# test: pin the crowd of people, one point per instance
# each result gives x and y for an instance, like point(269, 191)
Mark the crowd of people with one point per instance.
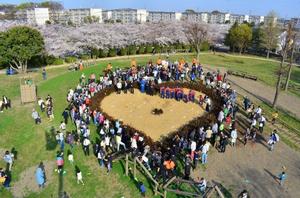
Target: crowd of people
point(112, 134)
point(113, 137)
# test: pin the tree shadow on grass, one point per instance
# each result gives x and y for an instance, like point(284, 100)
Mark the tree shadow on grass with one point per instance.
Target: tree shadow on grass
point(51, 142)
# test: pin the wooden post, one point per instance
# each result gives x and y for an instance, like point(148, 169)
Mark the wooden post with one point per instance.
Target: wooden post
point(219, 192)
point(126, 165)
point(134, 167)
point(155, 189)
point(165, 194)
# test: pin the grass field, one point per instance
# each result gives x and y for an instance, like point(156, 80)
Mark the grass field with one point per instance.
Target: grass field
point(33, 144)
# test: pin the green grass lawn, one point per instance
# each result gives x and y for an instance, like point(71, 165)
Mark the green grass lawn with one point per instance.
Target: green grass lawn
point(32, 143)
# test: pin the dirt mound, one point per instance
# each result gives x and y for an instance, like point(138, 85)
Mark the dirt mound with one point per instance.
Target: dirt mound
point(135, 110)
point(27, 182)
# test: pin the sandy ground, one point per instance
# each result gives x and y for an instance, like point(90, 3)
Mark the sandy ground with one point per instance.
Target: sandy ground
point(27, 182)
point(135, 110)
point(255, 168)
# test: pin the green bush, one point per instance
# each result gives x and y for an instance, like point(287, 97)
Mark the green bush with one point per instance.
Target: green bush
point(49, 60)
point(102, 53)
point(70, 59)
point(123, 52)
point(132, 50)
point(205, 46)
point(149, 49)
point(157, 49)
point(85, 57)
point(95, 52)
point(112, 52)
point(58, 61)
point(141, 50)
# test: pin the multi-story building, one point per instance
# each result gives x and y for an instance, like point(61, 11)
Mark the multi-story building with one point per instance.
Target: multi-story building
point(155, 16)
point(76, 16)
point(196, 17)
point(126, 15)
point(255, 19)
point(218, 17)
point(239, 18)
point(35, 16)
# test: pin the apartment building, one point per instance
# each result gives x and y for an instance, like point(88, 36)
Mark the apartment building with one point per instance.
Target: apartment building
point(126, 15)
point(36, 16)
point(201, 17)
point(156, 16)
point(217, 17)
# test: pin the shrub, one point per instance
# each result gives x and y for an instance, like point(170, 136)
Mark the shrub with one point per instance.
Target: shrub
point(149, 49)
point(205, 46)
point(58, 61)
point(70, 59)
point(102, 53)
point(84, 57)
point(132, 50)
point(141, 50)
point(123, 52)
point(112, 52)
point(49, 60)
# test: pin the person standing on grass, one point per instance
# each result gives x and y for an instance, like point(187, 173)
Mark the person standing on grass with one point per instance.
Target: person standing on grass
point(247, 136)
point(44, 74)
point(65, 115)
point(274, 117)
point(60, 161)
point(108, 160)
point(70, 157)
point(35, 115)
point(86, 146)
point(142, 189)
point(40, 176)
point(79, 176)
point(9, 159)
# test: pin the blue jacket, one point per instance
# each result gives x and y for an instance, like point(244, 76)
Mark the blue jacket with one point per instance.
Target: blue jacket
point(39, 176)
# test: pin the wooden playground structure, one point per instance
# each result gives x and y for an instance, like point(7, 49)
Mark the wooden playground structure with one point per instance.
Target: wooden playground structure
point(162, 189)
point(28, 90)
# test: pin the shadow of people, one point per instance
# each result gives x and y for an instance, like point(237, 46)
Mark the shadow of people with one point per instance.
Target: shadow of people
point(271, 174)
point(51, 142)
point(14, 152)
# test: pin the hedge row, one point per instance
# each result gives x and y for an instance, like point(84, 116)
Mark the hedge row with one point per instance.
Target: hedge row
point(100, 53)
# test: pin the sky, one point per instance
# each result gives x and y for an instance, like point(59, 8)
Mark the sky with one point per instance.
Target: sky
point(284, 8)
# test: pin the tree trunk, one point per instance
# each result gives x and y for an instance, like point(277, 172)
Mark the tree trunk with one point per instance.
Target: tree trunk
point(278, 82)
point(268, 54)
point(198, 53)
point(240, 52)
point(290, 71)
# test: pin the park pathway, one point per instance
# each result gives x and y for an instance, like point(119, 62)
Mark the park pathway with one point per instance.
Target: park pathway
point(286, 101)
point(263, 92)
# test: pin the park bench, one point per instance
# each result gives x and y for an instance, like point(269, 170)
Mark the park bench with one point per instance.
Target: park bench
point(241, 74)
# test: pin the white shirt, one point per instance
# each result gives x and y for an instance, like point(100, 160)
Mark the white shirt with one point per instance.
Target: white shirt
point(205, 148)
point(71, 157)
point(86, 142)
point(233, 134)
point(79, 176)
point(193, 145)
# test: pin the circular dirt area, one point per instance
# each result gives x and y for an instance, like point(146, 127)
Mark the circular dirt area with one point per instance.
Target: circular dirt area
point(135, 110)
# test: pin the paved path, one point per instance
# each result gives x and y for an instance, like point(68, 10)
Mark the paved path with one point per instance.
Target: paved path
point(286, 101)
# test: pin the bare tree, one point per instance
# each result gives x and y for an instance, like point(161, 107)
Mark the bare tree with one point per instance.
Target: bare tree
point(196, 34)
point(286, 42)
point(270, 32)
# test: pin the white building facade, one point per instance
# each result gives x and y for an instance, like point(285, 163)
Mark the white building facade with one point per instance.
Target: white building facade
point(36, 16)
point(127, 15)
